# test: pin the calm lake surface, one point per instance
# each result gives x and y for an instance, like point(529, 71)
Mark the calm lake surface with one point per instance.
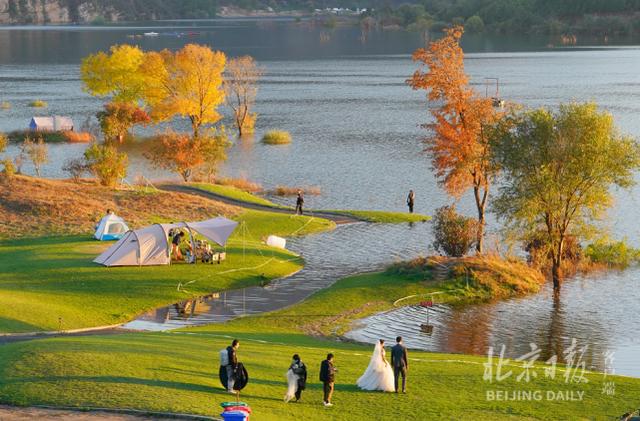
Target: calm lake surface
point(355, 127)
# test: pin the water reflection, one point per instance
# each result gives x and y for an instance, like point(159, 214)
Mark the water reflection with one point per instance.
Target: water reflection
point(596, 311)
point(328, 257)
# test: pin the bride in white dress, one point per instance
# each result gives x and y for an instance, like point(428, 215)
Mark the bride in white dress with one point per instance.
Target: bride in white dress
point(379, 374)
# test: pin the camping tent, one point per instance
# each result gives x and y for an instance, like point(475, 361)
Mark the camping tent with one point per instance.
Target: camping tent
point(150, 246)
point(110, 227)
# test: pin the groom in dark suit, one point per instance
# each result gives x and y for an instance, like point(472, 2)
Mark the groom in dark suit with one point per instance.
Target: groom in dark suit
point(400, 364)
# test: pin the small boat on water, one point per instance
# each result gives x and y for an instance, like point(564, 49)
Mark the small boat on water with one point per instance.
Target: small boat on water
point(151, 34)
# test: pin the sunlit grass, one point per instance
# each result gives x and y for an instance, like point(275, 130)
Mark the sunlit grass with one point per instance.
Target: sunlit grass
point(50, 283)
point(177, 371)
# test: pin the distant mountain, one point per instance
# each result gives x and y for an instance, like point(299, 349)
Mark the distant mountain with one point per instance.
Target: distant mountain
point(99, 11)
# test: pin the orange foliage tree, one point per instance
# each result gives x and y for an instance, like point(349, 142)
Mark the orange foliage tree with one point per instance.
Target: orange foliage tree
point(458, 142)
point(185, 155)
point(118, 118)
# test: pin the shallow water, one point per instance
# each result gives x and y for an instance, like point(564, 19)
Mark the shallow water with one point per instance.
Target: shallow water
point(584, 311)
point(349, 249)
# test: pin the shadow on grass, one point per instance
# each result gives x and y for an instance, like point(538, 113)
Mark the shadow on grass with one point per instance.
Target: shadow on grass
point(8, 325)
point(168, 384)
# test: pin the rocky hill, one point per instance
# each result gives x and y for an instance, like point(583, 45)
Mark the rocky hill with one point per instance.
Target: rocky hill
point(98, 11)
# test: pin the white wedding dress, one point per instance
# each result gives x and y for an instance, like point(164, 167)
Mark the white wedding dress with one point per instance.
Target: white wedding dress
point(379, 374)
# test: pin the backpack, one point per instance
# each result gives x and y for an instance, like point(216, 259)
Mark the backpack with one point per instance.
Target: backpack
point(224, 357)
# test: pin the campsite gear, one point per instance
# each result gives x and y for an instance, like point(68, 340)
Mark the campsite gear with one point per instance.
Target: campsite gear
point(150, 245)
point(224, 357)
point(275, 241)
point(235, 416)
point(110, 227)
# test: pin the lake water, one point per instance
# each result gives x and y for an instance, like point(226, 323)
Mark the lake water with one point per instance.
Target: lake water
point(355, 127)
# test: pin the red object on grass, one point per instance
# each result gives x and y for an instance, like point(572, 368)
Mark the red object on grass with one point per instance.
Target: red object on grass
point(427, 303)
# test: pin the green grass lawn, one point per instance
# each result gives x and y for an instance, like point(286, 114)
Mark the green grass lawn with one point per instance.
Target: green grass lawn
point(178, 371)
point(234, 193)
point(51, 283)
point(385, 217)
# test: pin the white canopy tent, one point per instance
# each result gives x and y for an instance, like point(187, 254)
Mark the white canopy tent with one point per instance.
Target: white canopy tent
point(110, 227)
point(150, 245)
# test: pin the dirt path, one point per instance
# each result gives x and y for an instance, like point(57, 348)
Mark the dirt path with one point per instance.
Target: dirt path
point(338, 218)
point(11, 413)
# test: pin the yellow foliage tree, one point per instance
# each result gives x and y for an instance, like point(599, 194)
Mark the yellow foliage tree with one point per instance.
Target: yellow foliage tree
point(187, 83)
point(116, 73)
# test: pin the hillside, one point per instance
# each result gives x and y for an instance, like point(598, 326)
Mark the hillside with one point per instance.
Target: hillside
point(594, 17)
point(31, 206)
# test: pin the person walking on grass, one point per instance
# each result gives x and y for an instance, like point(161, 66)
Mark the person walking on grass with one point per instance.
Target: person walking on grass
point(411, 198)
point(328, 378)
point(296, 379)
point(299, 203)
point(232, 365)
point(400, 364)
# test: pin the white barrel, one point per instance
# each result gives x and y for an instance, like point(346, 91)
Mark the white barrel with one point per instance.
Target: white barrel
point(275, 241)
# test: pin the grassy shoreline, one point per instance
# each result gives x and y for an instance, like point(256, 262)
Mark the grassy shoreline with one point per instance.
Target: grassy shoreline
point(176, 371)
point(385, 217)
point(50, 283)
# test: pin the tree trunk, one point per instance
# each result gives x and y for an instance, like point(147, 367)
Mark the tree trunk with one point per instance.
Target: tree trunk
point(556, 275)
point(556, 272)
point(480, 239)
point(239, 124)
point(480, 205)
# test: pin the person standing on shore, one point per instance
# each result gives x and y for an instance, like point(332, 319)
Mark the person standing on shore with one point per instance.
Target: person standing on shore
point(299, 203)
point(328, 378)
point(411, 198)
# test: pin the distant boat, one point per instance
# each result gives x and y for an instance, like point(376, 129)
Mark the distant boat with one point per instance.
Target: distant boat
point(151, 34)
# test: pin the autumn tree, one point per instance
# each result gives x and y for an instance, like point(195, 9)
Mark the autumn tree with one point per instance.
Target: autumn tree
point(116, 74)
point(454, 234)
point(37, 151)
point(106, 163)
point(558, 170)
point(117, 119)
point(184, 154)
point(185, 83)
point(458, 142)
point(241, 87)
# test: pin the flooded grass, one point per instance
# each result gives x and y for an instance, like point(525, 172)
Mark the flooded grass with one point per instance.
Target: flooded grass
point(276, 137)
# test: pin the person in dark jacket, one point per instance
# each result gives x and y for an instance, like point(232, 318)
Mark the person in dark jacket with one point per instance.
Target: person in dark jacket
point(400, 364)
point(328, 378)
point(411, 199)
point(233, 364)
point(299, 203)
point(296, 378)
